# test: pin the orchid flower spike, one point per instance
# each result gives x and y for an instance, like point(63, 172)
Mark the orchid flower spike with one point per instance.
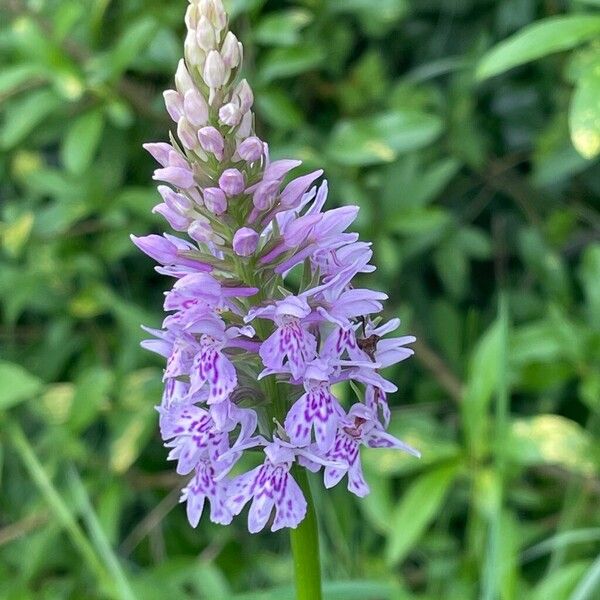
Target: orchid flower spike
point(236, 325)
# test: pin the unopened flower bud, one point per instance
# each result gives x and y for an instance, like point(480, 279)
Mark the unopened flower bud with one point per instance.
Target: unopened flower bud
point(245, 127)
point(183, 81)
point(157, 247)
point(195, 108)
point(201, 231)
point(245, 241)
point(205, 34)
point(212, 141)
point(215, 200)
point(176, 202)
point(191, 16)
point(159, 151)
point(230, 114)
point(230, 51)
point(177, 176)
point(251, 149)
point(174, 104)
point(176, 160)
point(187, 134)
point(195, 196)
point(175, 220)
point(265, 194)
point(243, 92)
point(193, 53)
point(214, 70)
point(232, 182)
point(215, 11)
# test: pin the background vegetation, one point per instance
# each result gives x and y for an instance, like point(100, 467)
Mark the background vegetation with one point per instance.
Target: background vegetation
point(474, 167)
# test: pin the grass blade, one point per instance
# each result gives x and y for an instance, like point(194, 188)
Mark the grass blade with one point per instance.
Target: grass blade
point(98, 536)
point(56, 503)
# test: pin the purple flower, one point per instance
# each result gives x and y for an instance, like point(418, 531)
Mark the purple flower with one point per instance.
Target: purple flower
point(168, 250)
point(316, 409)
point(193, 434)
point(211, 366)
point(204, 486)
point(376, 400)
point(291, 340)
point(358, 427)
point(269, 486)
point(293, 192)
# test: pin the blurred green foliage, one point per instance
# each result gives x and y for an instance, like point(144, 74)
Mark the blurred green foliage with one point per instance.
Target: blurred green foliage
point(467, 131)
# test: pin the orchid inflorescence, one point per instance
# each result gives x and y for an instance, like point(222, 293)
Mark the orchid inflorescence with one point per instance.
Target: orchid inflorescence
point(252, 354)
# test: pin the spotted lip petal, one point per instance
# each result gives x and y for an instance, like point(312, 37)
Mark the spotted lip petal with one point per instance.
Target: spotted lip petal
point(318, 410)
point(202, 487)
point(270, 487)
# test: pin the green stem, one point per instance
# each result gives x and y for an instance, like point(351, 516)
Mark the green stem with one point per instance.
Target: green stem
point(305, 546)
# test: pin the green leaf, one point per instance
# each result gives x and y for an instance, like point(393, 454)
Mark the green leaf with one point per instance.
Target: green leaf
point(483, 379)
point(452, 267)
point(418, 507)
point(25, 114)
point(334, 590)
point(15, 235)
point(419, 222)
point(91, 395)
point(589, 586)
point(289, 62)
point(584, 114)
point(63, 510)
point(16, 385)
point(382, 138)
point(589, 275)
point(98, 536)
point(386, 9)
point(81, 141)
point(412, 185)
point(559, 584)
point(282, 28)
point(540, 39)
point(377, 505)
point(276, 108)
point(133, 425)
point(133, 41)
point(560, 541)
point(11, 78)
point(551, 440)
point(239, 7)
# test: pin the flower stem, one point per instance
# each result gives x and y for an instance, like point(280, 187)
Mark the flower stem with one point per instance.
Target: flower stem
point(305, 546)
